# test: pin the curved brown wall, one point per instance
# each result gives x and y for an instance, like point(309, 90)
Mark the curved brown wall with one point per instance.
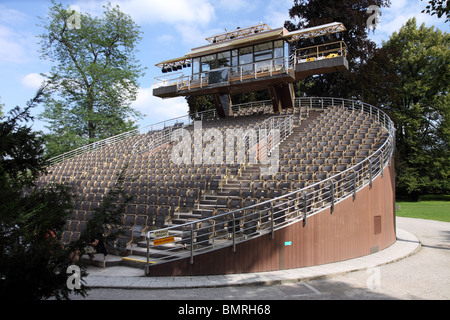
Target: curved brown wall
point(355, 228)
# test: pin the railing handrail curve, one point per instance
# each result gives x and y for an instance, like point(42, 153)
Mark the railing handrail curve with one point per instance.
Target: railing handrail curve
point(362, 176)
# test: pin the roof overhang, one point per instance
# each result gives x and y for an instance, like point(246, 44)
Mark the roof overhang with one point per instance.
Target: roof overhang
point(317, 31)
point(240, 42)
point(254, 38)
point(225, 45)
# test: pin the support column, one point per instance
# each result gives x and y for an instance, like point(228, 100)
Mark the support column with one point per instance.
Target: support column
point(223, 105)
point(276, 103)
point(282, 96)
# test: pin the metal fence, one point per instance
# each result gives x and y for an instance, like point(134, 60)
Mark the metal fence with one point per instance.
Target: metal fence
point(230, 228)
point(150, 135)
point(223, 76)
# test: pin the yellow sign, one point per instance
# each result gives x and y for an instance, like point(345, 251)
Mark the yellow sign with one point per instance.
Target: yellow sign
point(158, 242)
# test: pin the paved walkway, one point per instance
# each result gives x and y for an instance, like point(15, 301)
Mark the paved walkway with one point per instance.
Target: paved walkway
point(132, 278)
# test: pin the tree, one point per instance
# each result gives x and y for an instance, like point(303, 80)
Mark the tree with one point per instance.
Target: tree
point(416, 67)
point(353, 14)
point(95, 77)
point(438, 7)
point(201, 103)
point(106, 221)
point(33, 263)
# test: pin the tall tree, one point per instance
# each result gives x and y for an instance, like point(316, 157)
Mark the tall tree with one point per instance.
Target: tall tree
point(355, 16)
point(439, 8)
point(95, 76)
point(32, 262)
point(412, 86)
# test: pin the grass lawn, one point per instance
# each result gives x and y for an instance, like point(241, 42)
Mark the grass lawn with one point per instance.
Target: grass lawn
point(427, 209)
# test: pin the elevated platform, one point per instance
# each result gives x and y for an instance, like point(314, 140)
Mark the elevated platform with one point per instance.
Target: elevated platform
point(337, 64)
point(253, 59)
point(248, 81)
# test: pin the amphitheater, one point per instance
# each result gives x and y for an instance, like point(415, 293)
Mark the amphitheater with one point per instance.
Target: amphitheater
point(205, 208)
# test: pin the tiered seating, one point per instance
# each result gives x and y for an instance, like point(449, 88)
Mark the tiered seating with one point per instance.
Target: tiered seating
point(160, 188)
point(335, 140)
point(332, 143)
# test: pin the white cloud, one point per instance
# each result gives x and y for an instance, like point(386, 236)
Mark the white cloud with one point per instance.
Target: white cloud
point(17, 45)
point(165, 38)
point(236, 5)
point(156, 109)
point(12, 16)
point(157, 11)
point(396, 16)
point(277, 12)
point(32, 81)
point(184, 17)
point(12, 48)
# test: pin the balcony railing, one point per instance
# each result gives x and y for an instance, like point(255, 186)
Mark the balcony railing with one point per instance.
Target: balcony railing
point(320, 52)
point(226, 75)
point(235, 226)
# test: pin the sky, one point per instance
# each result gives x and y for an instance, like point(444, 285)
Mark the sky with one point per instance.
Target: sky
point(170, 29)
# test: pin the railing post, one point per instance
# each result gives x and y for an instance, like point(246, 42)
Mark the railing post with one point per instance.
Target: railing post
point(354, 184)
point(332, 196)
point(271, 221)
point(192, 243)
point(234, 233)
point(147, 266)
point(370, 173)
point(305, 208)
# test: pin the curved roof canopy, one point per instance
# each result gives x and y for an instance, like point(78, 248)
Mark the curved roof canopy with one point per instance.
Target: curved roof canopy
point(251, 35)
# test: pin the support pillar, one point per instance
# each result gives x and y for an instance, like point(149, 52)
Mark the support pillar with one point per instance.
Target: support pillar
point(282, 96)
point(223, 105)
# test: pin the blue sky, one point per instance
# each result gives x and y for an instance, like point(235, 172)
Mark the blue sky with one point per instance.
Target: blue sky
point(170, 29)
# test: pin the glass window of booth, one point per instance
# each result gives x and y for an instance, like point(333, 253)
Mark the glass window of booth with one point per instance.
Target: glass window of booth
point(242, 58)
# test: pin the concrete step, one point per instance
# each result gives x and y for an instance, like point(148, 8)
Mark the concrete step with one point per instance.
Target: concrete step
point(102, 261)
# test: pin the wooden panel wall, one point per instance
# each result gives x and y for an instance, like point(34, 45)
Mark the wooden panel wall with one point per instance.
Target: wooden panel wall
point(355, 228)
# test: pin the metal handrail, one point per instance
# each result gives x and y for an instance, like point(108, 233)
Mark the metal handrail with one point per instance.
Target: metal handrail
point(264, 137)
point(151, 129)
point(234, 73)
point(321, 51)
point(239, 225)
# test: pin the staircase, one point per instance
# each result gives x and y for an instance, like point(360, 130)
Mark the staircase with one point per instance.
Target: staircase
point(209, 202)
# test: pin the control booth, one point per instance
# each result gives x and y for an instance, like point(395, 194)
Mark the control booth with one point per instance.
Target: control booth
point(251, 59)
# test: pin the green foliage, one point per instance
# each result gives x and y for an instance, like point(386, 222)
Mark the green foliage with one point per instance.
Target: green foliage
point(353, 14)
point(439, 8)
point(420, 107)
point(94, 79)
point(32, 263)
point(431, 210)
point(206, 102)
point(106, 221)
point(200, 103)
